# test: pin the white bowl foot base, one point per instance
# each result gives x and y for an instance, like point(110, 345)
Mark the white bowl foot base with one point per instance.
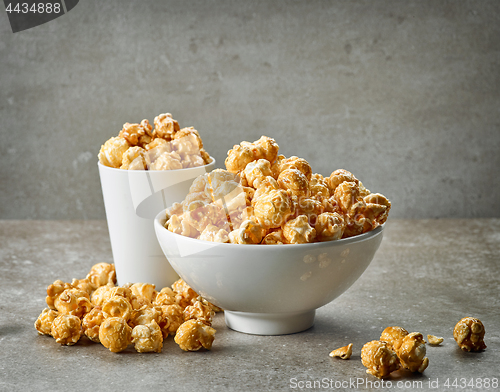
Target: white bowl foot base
point(270, 323)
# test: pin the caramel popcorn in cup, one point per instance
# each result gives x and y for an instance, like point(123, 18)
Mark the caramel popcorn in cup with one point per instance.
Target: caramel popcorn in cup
point(166, 147)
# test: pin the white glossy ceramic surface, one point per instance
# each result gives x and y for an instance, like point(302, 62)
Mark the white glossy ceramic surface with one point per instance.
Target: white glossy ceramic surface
point(269, 289)
point(132, 199)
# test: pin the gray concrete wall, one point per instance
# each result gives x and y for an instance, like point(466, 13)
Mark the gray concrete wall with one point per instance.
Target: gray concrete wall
point(405, 94)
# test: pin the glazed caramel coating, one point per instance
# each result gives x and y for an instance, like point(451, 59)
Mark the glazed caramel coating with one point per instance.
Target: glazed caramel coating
point(134, 159)
point(165, 297)
point(157, 147)
point(393, 336)
point(172, 316)
point(214, 234)
point(377, 207)
point(249, 232)
point(72, 301)
point(199, 311)
point(338, 177)
point(101, 274)
point(146, 290)
point(379, 359)
point(329, 226)
point(102, 294)
point(346, 194)
point(256, 171)
point(469, 334)
point(167, 161)
point(297, 163)
point(165, 126)
point(342, 352)
point(268, 148)
point(192, 160)
point(275, 237)
point(319, 187)
point(147, 338)
point(295, 182)
point(117, 307)
point(238, 158)
point(137, 134)
point(186, 295)
point(412, 351)
point(84, 285)
point(298, 231)
point(145, 315)
point(115, 334)
point(111, 153)
point(92, 322)
point(191, 134)
point(272, 208)
point(43, 323)
point(54, 290)
point(192, 335)
point(181, 226)
point(66, 329)
point(201, 217)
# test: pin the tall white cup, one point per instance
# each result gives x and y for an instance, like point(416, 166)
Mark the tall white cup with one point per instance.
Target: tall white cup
point(132, 199)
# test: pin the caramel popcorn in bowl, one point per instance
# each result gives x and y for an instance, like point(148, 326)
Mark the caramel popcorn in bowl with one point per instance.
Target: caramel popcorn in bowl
point(266, 198)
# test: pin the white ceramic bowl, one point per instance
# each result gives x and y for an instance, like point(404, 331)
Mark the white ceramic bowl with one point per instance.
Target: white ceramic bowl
point(268, 289)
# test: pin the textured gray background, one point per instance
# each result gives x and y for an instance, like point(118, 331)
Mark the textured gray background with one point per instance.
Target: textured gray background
point(406, 95)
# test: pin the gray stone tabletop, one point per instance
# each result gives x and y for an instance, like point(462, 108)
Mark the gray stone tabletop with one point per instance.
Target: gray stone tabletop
point(426, 276)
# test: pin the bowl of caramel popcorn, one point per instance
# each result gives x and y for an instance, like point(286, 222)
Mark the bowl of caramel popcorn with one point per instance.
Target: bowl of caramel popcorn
point(268, 240)
point(143, 170)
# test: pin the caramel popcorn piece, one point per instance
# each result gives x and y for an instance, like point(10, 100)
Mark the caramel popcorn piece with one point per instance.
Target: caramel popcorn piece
point(91, 323)
point(147, 338)
point(200, 310)
point(244, 153)
point(54, 290)
point(319, 187)
point(145, 315)
point(102, 294)
point(192, 335)
point(43, 323)
point(134, 159)
point(434, 340)
point(393, 336)
point(274, 238)
point(146, 290)
point(469, 334)
point(111, 153)
point(137, 134)
point(298, 231)
point(165, 297)
point(272, 208)
point(186, 295)
point(377, 208)
point(74, 302)
point(115, 334)
point(338, 177)
point(172, 316)
point(412, 352)
point(165, 126)
point(66, 329)
point(117, 307)
point(250, 232)
point(214, 234)
point(256, 171)
point(379, 359)
point(342, 352)
point(329, 226)
point(101, 274)
point(84, 285)
point(297, 163)
point(295, 182)
point(167, 161)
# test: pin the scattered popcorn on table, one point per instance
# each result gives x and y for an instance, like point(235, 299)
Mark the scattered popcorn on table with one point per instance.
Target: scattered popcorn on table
point(166, 147)
point(379, 359)
point(267, 198)
point(342, 352)
point(469, 334)
point(434, 340)
point(120, 316)
point(192, 335)
point(411, 352)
